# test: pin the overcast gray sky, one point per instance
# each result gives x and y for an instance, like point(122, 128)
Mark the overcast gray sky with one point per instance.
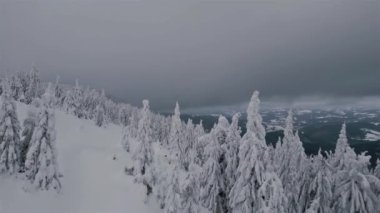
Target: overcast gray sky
point(202, 53)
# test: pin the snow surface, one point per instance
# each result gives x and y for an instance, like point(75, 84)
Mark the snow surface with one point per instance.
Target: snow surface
point(371, 135)
point(93, 181)
point(303, 112)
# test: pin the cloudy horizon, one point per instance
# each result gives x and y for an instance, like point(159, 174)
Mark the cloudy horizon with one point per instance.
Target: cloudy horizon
point(202, 53)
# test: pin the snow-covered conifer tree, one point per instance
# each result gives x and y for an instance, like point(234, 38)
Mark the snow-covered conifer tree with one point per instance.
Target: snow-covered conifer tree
point(354, 190)
point(99, 118)
point(16, 88)
point(250, 172)
point(289, 129)
point(377, 169)
point(271, 195)
point(28, 129)
point(254, 122)
point(78, 100)
point(250, 177)
point(189, 135)
point(49, 100)
point(163, 128)
point(172, 194)
point(345, 157)
point(320, 189)
point(143, 155)
point(123, 116)
point(175, 130)
point(211, 179)
point(197, 153)
point(355, 193)
point(41, 161)
point(9, 134)
point(33, 85)
point(24, 81)
point(290, 162)
point(232, 151)
point(218, 135)
point(190, 191)
point(68, 102)
point(58, 93)
point(220, 131)
point(177, 140)
point(129, 134)
point(199, 129)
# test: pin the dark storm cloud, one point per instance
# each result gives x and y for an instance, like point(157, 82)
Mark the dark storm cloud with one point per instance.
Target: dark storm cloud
point(201, 53)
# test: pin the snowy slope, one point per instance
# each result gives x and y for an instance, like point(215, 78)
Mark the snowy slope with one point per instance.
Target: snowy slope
point(93, 181)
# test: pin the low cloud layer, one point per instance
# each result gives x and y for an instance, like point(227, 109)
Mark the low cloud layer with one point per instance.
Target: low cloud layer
point(201, 53)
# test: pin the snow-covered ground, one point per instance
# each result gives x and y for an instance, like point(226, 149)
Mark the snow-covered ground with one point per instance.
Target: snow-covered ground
point(371, 135)
point(93, 181)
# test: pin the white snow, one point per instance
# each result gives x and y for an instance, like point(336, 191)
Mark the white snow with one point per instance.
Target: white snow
point(303, 112)
point(93, 181)
point(273, 128)
point(371, 135)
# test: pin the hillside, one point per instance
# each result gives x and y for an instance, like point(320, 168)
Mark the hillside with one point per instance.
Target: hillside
point(93, 181)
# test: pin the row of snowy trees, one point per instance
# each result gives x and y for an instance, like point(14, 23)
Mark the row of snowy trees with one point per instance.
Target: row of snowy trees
point(23, 87)
point(77, 100)
point(188, 170)
point(82, 102)
point(31, 152)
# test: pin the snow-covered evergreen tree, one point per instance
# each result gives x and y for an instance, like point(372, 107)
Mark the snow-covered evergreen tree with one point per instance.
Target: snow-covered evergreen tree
point(271, 195)
point(130, 132)
point(177, 189)
point(320, 190)
point(354, 193)
point(28, 129)
point(251, 170)
point(172, 194)
point(218, 135)
point(232, 151)
point(199, 129)
point(175, 130)
point(212, 180)
point(99, 118)
point(345, 157)
point(254, 122)
point(290, 163)
point(68, 102)
point(220, 130)
point(143, 155)
point(123, 116)
point(41, 162)
point(33, 85)
point(250, 177)
point(376, 171)
point(58, 93)
point(24, 81)
point(189, 191)
point(16, 88)
point(78, 100)
point(354, 190)
point(9, 134)
point(49, 101)
point(177, 142)
point(189, 136)
point(197, 155)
